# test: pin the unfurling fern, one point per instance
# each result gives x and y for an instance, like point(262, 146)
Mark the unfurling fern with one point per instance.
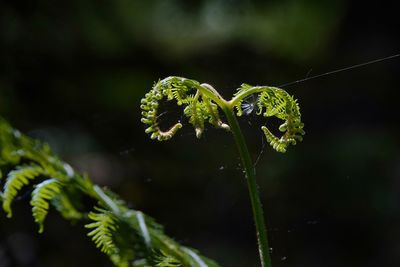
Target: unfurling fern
point(203, 103)
point(196, 97)
point(275, 102)
point(127, 236)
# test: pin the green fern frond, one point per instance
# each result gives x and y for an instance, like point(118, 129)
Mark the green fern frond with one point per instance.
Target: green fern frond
point(104, 227)
point(279, 144)
point(181, 95)
point(239, 109)
point(125, 235)
point(275, 102)
point(185, 92)
point(196, 117)
point(16, 179)
point(240, 90)
point(41, 196)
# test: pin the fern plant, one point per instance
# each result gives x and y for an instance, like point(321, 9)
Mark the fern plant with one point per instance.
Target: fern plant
point(127, 236)
point(202, 103)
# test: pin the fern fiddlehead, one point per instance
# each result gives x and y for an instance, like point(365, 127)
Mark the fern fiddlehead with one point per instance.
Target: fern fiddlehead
point(190, 93)
point(275, 102)
point(271, 101)
point(114, 228)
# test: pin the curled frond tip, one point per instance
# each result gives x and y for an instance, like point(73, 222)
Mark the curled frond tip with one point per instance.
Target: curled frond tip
point(199, 108)
point(275, 102)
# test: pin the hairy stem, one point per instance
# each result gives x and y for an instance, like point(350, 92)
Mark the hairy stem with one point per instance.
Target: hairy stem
point(250, 173)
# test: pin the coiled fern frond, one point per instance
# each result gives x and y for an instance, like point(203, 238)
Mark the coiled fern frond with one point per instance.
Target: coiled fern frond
point(127, 236)
point(203, 103)
point(275, 102)
point(192, 94)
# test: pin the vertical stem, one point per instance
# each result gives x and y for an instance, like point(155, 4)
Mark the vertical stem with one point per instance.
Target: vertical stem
point(250, 172)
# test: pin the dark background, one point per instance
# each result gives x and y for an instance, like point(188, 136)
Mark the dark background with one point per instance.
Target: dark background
point(73, 73)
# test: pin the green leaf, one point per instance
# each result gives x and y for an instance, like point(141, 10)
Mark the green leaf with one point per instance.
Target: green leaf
point(43, 193)
point(104, 226)
point(15, 181)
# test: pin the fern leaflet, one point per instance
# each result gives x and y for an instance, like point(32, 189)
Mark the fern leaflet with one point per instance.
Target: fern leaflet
point(104, 226)
point(162, 259)
point(43, 193)
point(15, 181)
point(126, 235)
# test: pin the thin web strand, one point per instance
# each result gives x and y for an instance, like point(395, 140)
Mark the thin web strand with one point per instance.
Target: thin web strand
point(321, 75)
point(261, 152)
point(339, 70)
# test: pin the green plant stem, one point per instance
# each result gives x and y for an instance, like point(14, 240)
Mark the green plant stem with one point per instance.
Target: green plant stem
point(250, 173)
